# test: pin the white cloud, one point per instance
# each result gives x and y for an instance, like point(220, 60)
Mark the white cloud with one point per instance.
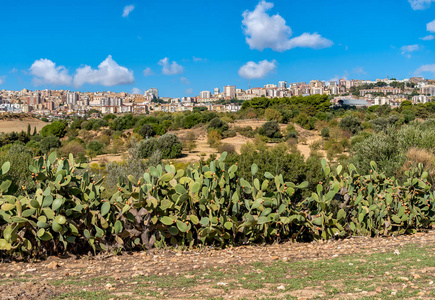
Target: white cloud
point(420, 4)
point(431, 26)
point(148, 72)
point(265, 31)
point(308, 40)
point(253, 70)
point(184, 80)
point(46, 72)
point(170, 68)
point(410, 48)
point(426, 68)
point(1, 81)
point(127, 10)
point(136, 91)
point(359, 71)
point(14, 70)
point(109, 73)
point(428, 38)
point(189, 91)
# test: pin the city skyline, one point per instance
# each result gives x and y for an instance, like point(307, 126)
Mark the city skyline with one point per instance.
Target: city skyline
point(133, 46)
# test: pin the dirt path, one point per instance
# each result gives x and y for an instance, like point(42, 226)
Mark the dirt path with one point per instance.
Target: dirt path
point(46, 279)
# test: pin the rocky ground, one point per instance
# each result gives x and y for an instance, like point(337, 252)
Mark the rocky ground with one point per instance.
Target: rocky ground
point(207, 273)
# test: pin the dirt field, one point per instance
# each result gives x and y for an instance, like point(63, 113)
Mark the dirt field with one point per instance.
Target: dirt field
point(356, 268)
point(18, 125)
point(204, 150)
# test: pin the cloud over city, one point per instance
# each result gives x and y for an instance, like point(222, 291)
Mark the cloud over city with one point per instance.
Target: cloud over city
point(265, 31)
point(170, 68)
point(431, 26)
point(45, 71)
point(253, 70)
point(426, 69)
point(109, 73)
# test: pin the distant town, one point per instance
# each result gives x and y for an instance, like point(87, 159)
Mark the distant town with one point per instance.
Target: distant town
point(388, 91)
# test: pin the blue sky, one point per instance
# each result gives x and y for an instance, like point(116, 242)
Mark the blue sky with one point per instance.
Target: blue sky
point(184, 47)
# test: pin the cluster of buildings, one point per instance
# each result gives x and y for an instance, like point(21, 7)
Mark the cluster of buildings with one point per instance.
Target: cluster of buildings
point(65, 102)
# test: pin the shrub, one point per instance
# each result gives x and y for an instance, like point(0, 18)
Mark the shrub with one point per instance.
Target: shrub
point(95, 148)
point(227, 148)
point(269, 129)
point(271, 114)
point(169, 145)
point(351, 123)
point(49, 143)
point(325, 132)
point(214, 138)
point(147, 131)
point(147, 147)
point(218, 124)
point(228, 134)
point(292, 134)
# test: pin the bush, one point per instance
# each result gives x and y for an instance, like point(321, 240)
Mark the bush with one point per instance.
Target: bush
point(147, 131)
point(227, 148)
point(325, 132)
point(214, 138)
point(49, 143)
point(292, 134)
point(272, 115)
point(351, 123)
point(147, 147)
point(269, 129)
point(169, 145)
point(218, 124)
point(228, 134)
point(95, 148)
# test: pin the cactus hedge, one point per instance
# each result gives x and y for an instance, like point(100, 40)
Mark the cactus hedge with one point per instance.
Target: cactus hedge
point(202, 205)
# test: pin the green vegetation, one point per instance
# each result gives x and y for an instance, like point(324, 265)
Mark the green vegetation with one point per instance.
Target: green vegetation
point(203, 205)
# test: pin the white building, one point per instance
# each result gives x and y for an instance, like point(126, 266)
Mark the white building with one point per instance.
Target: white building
point(205, 94)
point(230, 91)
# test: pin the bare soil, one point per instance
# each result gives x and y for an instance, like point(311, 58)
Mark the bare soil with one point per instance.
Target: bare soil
point(49, 278)
point(8, 125)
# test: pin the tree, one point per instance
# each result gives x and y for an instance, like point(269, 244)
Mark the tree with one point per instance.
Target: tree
point(48, 143)
point(351, 123)
point(28, 130)
point(34, 130)
point(169, 145)
point(272, 115)
point(147, 131)
point(56, 128)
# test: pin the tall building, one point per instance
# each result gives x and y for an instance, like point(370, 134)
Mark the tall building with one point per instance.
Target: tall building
point(282, 84)
point(72, 98)
point(205, 94)
point(217, 91)
point(230, 91)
